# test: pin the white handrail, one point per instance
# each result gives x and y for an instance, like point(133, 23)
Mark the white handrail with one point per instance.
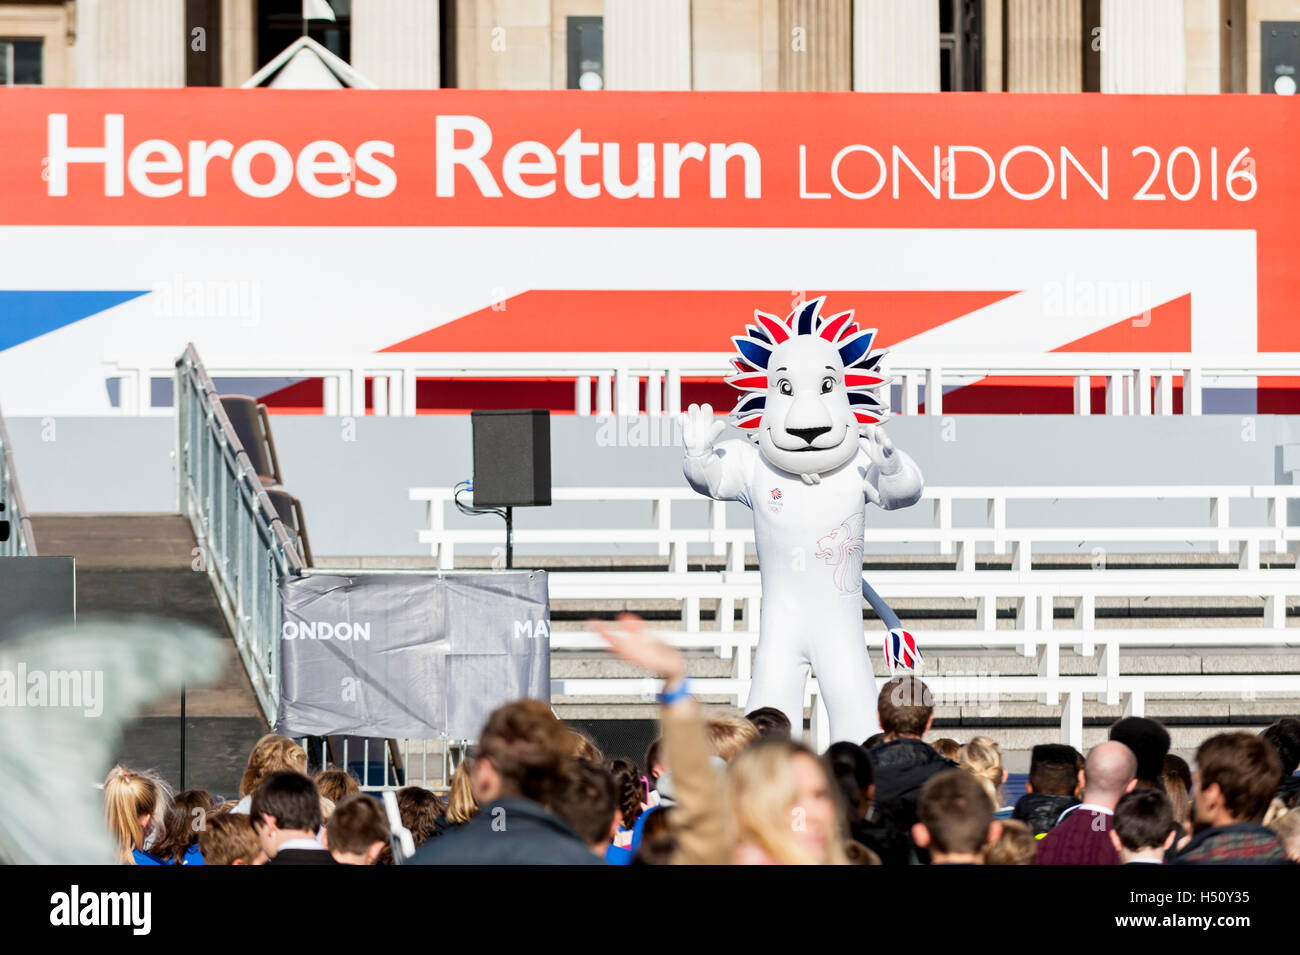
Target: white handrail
point(673, 539)
point(616, 376)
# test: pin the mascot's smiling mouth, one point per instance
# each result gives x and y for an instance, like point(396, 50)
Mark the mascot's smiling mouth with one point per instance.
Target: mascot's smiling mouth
point(808, 447)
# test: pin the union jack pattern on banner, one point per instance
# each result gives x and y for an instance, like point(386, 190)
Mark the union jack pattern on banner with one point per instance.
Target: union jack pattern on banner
point(901, 652)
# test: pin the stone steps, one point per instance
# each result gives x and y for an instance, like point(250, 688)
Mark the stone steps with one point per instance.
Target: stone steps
point(585, 664)
point(1017, 721)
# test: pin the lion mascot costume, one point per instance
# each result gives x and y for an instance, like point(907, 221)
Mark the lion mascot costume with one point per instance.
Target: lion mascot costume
point(817, 455)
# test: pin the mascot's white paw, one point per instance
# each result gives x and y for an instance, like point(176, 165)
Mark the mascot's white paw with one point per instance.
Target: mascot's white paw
point(811, 479)
point(880, 447)
point(700, 429)
point(901, 651)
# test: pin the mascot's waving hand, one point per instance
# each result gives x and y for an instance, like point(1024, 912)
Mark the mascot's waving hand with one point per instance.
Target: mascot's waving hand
point(818, 456)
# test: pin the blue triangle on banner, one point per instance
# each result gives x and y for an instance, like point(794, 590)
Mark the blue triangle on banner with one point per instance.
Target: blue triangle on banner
point(25, 315)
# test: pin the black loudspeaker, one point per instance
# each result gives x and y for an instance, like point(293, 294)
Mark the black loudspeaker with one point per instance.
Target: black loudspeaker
point(512, 458)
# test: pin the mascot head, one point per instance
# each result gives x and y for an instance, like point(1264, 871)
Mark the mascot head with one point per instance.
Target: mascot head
point(808, 386)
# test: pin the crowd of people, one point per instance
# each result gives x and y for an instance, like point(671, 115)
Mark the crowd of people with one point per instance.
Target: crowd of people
point(721, 789)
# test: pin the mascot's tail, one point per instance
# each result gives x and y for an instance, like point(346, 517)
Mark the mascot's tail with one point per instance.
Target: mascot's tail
point(901, 651)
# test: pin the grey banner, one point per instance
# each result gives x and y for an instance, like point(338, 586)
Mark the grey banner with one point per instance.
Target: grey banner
point(410, 655)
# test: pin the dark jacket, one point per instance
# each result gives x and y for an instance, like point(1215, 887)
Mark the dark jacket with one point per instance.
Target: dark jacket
point(303, 857)
point(1039, 811)
point(1244, 843)
point(509, 831)
point(901, 768)
point(893, 846)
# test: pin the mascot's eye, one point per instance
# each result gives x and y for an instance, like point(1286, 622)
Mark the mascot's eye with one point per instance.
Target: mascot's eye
point(784, 387)
point(828, 385)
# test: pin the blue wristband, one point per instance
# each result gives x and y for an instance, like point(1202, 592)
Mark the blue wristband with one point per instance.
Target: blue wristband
point(681, 693)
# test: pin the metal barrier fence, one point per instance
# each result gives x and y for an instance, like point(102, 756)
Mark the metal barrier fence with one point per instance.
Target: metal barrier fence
point(1135, 383)
point(21, 542)
point(392, 763)
point(243, 545)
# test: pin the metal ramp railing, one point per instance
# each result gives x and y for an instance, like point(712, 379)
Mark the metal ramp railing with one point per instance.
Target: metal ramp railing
point(244, 546)
point(15, 519)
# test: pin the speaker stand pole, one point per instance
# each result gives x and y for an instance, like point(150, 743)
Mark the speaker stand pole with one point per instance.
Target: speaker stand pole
point(182, 736)
point(510, 537)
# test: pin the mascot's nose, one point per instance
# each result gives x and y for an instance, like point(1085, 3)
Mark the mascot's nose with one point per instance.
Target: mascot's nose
point(809, 435)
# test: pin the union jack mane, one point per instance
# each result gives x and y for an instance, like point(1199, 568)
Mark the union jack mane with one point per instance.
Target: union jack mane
point(862, 375)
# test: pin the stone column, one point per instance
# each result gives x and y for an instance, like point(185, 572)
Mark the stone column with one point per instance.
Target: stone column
point(1044, 51)
point(503, 46)
point(1143, 46)
point(131, 43)
point(395, 43)
point(895, 46)
point(816, 45)
point(648, 45)
point(238, 42)
point(728, 45)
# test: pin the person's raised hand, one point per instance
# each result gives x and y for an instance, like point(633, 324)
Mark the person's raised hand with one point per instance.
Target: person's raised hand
point(632, 643)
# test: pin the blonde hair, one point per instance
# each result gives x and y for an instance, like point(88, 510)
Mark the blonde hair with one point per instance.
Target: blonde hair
point(271, 754)
point(128, 795)
point(461, 804)
point(982, 759)
point(728, 735)
point(761, 792)
point(1287, 828)
point(1016, 845)
point(583, 747)
point(1276, 810)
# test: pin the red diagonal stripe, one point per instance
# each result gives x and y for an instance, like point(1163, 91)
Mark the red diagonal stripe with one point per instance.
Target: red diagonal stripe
point(573, 320)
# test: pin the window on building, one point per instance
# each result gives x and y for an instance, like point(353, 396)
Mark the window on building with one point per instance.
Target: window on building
point(202, 42)
point(1091, 80)
point(447, 44)
point(961, 45)
point(279, 23)
point(586, 41)
point(21, 61)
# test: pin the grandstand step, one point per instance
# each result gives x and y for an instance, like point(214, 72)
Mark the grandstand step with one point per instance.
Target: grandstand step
point(1172, 710)
point(144, 564)
point(574, 665)
point(1135, 661)
point(621, 708)
point(571, 664)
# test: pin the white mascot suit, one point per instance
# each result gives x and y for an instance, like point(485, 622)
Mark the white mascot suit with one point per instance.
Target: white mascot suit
point(818, 456)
